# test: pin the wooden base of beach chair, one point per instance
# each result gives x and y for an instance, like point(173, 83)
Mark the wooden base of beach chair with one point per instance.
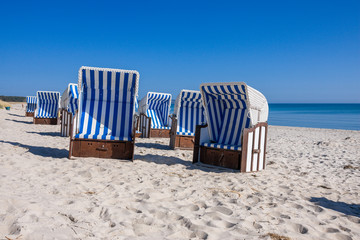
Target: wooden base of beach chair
point(159, 133)
point(138, 133)
point(251, 158)
point(46, 121)
point(66, 122)
point(29, 114)
point(148, 132)
point(179, 141)
point(220, 157)
point(101, 149)
point(145, 123)
point(182, 142)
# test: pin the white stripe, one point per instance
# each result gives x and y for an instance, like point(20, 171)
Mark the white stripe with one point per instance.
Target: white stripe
point(103, 107)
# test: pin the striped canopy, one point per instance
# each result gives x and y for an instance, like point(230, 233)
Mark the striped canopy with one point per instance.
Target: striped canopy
point(69, 98)
point(30, 104)
point(47, 104)
point(229, 108)
point(156, 106)
point(106, 103)
point(137, 104)
point(189, 111)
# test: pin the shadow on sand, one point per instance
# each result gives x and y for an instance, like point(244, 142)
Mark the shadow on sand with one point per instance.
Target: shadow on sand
point(52, 134)
point(345, 208)
point(41, 151)
point(18, 121)
point(175, 160)
point(153, 145)
point(16, 115)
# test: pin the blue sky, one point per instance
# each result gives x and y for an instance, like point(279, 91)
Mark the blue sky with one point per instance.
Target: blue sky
point(292, 51)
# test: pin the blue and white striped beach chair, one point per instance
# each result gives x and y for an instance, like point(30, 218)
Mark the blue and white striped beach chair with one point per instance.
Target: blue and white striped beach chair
point(137, 119)
point(47, 107)
point(154, 111)
point(188, 112)
point(30, 106)
point(105, 119)
point(236, 130)
point(69, 106)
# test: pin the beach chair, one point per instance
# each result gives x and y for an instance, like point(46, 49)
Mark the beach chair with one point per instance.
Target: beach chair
point(104, 124)
point(47, 107)
point(188, 112)
point(137, 119)
point(30, 106)
point(69, 106)
point(154, 111)
point(236, 130)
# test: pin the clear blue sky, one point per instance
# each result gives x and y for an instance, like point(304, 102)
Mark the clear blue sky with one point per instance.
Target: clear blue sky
point(292, 51)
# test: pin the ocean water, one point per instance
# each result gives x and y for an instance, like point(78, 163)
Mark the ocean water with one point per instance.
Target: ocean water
point(333, 116)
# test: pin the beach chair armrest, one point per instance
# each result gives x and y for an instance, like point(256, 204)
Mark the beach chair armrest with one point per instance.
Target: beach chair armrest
point(198, 131)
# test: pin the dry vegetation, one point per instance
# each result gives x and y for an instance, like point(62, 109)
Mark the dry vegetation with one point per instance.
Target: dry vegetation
point(4, 104)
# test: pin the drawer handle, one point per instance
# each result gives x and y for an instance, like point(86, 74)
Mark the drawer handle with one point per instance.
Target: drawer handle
point(102, 149)
point(221, 157)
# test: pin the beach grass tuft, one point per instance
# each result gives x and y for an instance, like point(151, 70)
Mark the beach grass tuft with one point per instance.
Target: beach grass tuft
point(275, 236)
point(4, 104)
point(351, 167)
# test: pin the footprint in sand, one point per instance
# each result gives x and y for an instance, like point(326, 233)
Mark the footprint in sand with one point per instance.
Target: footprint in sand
point(193, 207)
point(353, 219)
point(199, 234)
point(332, 230)
point(297, 206)
point(340, 236)
point(285, 216)
point(220, 224)
point(257, 226)
point(175, 216)
point(104, 214)
point(317, 209)
point(223, 210)
point(201, 204)
point(300, 228)
point(253, 200)
point(14, 229)
point(86, 174)
point(142, 229)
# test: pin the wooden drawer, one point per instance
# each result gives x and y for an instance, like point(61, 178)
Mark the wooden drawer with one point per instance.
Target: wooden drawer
point(220, 157)
point(46, 121)
point(160, 133)
point(102, 149)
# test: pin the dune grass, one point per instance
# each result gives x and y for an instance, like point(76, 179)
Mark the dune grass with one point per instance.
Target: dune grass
point(4, 104)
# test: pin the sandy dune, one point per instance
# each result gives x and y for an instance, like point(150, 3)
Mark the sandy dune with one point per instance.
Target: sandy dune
point(309, 190)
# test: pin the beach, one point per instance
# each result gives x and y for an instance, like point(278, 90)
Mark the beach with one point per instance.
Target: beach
point(310, 189)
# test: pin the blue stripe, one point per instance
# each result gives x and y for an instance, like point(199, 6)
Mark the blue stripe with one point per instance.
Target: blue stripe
point(108, 101)
point(99, 106)
point(237, 140)
point(83, 99)
point(92, 97)
point(123, 109)
point(117, 87)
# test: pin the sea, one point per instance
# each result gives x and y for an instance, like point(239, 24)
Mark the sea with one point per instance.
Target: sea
point(314, 115)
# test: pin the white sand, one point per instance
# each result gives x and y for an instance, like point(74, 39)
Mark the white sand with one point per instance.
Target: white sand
point(304, 193)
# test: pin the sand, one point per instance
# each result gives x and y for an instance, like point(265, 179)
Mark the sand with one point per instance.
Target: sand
point(309, 190)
